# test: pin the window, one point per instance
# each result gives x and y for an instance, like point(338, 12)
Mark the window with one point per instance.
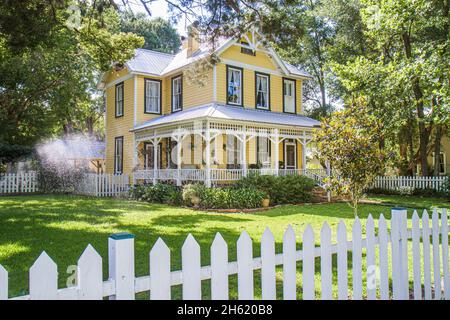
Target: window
point(262, 88)
point(247, 50)
point(263, 151)
point(234, 86)
point(177, 91)
point(233, 152)
point(289, 104)
point(119, 99)
point(441, 162)
point(152, 96)
point(118, 155)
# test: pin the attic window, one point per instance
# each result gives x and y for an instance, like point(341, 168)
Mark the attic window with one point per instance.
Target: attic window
point(247, 50)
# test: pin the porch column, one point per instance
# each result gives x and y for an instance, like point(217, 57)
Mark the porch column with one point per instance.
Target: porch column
point(155, 160)
point(135, 159)
point(276, 150)
point(208, 155)
point(244, 154)
point(304, 143)
point(179, 142)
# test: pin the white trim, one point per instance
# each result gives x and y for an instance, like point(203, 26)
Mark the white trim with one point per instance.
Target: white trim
point(135, 101)
point(118, 80)
point(295, 154)
point(214, 83)
point(261, 69)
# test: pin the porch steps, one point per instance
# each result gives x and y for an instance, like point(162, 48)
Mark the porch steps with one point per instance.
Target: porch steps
point(319, 195)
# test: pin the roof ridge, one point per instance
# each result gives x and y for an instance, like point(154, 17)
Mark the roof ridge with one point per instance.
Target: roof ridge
point(157, 52)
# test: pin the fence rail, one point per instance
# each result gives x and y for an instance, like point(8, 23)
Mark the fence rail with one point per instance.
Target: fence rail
point(25, 182)
point(123, 285)
point(416, 182)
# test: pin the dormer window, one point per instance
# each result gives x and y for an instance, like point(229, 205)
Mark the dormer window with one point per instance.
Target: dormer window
point(262, 87)
point(234, 86)
point(247, 50)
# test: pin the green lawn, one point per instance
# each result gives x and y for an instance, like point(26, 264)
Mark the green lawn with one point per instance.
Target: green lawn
point(64, 225)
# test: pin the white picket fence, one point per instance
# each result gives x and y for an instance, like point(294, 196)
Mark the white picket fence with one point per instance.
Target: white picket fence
point(25, 182)
point(103, 185)
point(123, 285)
point(416, 182)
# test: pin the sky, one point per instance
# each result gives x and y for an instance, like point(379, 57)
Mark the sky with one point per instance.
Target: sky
point(159, 8)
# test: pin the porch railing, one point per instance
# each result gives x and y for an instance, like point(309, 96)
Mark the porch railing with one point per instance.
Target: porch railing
point(221, 175)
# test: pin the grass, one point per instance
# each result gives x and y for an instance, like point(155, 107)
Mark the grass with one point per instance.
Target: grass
point(64, 225)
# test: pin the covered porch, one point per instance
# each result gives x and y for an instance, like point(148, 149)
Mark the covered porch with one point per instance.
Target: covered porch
point(210, 145)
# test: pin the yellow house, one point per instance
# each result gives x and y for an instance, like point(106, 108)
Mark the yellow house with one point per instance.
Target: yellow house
point(210, 113)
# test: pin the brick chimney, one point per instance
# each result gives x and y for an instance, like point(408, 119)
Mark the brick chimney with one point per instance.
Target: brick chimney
point(193, 40)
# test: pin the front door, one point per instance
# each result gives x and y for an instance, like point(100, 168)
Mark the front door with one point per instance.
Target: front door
point(290, 155)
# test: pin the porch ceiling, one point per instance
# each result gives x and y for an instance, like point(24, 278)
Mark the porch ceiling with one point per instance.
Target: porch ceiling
point(228, 113)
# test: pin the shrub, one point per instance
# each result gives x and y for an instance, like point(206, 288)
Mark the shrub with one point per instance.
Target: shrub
point(426, 192)
point(281, 189)
point(191, 191)
point(158, 193)
point(230, 198)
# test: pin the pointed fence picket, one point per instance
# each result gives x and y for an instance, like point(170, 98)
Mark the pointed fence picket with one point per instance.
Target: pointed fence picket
point(245, 266)
point(357, 260)
point(342, 261)
point(308, 264)
point(160, 265)
point(219, 268)
point(190, 257)
point(268, 280)
point(426, 255)
point(289, 265)
point(122, 283)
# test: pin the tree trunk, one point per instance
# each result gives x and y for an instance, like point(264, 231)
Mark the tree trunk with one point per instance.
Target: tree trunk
point(418, 95)
point(437, 149)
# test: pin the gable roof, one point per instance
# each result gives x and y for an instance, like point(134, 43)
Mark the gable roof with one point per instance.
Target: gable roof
point(219, 111)
point(160, 64)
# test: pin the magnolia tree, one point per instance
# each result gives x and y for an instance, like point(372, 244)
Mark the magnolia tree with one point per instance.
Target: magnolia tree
point(351, 144)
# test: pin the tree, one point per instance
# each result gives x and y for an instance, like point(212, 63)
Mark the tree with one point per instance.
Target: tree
point(404, 72)
point(159, 35)
point(349, 141)
point(46, 81)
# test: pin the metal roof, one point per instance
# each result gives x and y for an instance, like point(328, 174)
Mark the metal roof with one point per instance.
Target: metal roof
point(158, 63)
point(223, 112)
point(149, 61)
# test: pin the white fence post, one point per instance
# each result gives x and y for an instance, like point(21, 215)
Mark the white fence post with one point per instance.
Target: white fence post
point(384, 263)
point(3, 283)
point(416, 256)
point(289, 265)
point(121, 264)
point(371, 279)
point(426, 255)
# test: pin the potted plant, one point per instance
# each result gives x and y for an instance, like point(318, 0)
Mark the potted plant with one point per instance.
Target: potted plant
point(265, 202)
